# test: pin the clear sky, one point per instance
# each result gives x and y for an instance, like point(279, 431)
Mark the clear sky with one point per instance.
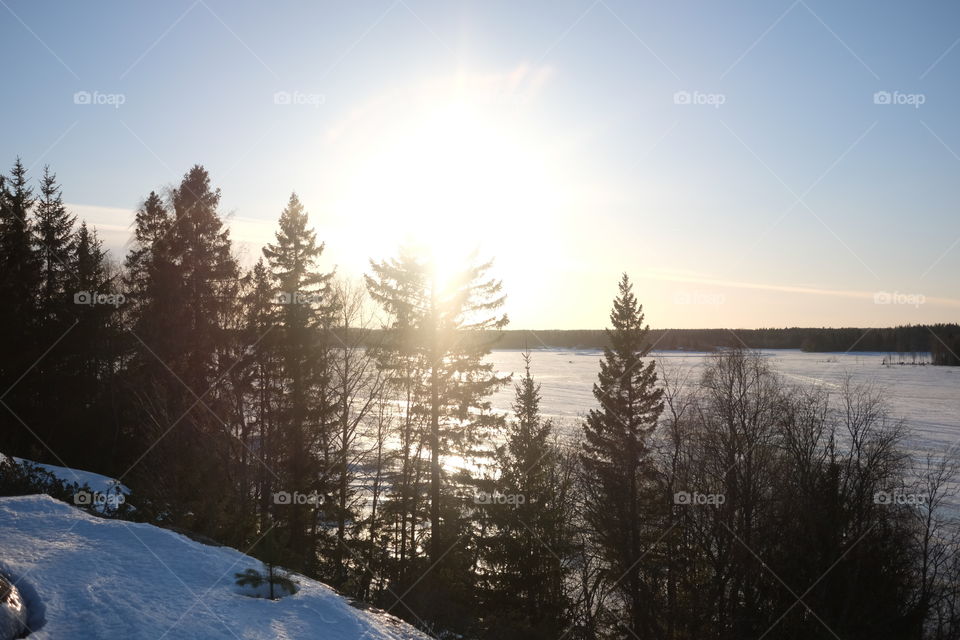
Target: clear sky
point(767, 163)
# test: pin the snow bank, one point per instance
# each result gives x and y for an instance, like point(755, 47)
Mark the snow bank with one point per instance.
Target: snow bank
point(99, 578)
point(98, 483)
point(92, 491)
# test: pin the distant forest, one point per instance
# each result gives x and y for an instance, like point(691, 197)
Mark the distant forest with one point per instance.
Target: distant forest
point(941, 341)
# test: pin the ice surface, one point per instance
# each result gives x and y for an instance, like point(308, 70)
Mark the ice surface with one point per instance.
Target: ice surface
point(927, 398)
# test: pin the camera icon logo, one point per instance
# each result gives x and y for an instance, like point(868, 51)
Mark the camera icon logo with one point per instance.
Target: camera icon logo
point(882, 97)
point(282, 97)
point(83, 498)
point(282, 497)
point(82, 97)
point(681, 97)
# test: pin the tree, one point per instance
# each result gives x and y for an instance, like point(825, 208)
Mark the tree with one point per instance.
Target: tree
point(55, 243)
point(615, 455)
point(440, 334)
point(91, 356)
point(356, 386)
point(531, 512)
point(19, 283)
point(303, 319)
point(183, 283)
point(151, 282)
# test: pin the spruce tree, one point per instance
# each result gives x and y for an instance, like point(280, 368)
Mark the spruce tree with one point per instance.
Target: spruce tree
point(201, 249)
point(265, 386)
point(303, 318)
point(183, 284)
point(91, 356)
point(531, 513)
point(55, 243)
point(19, 319)
point(153, 288)
point(619, 474)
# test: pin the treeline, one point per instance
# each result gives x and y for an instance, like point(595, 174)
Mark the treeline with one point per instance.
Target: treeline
point(940, 340)
point(264, 409)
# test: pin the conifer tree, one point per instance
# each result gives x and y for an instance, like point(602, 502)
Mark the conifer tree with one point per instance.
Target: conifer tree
point(265, 387)
point(19, 284)
point(531, 513)
point(151, 283)
point(183, 282)
point(441, 333)
point(98, 325)
point(303, 318)
point(55, 243)
point(619, 474)
point(201, 249)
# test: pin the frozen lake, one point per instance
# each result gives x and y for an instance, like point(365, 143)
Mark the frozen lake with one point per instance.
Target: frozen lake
point(926, 397)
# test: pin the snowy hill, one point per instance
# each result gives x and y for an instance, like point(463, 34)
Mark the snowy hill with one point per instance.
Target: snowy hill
point(85, 577)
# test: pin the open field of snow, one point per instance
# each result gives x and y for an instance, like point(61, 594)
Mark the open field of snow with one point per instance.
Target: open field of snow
point(87, 578)
point(926, 397)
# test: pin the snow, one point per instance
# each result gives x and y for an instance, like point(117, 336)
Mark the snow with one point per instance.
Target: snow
point(102, 494)
point(927, 398)
point(96, 482)
point(86, 577)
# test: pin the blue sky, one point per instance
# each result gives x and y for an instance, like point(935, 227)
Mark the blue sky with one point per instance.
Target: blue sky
point(730, 156)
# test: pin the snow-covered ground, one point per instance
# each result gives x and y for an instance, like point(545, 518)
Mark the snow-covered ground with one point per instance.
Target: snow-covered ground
point(85, 577)
point(100, 493)
point(96, 482)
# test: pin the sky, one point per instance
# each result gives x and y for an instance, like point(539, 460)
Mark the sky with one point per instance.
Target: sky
point(748, 164)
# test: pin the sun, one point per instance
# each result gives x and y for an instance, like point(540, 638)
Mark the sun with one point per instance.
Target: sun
point(451, 176)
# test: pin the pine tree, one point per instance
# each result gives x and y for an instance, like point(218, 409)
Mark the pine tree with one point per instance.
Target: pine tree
point(152, 284)
point(265, 388)
point(153, 223)
point(98, 325)
point(55, 244)
point(303, 319)
point(201, 249)
point(615, 455)
point(183, 283)
point(91, 356)
point(531, 513)
point(439, 337)
point(19, 319)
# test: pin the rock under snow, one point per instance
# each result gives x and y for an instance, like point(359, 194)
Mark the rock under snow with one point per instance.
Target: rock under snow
point(13, 613)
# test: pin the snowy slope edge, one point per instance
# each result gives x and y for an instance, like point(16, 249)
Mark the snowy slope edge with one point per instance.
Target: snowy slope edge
point(97, 578)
